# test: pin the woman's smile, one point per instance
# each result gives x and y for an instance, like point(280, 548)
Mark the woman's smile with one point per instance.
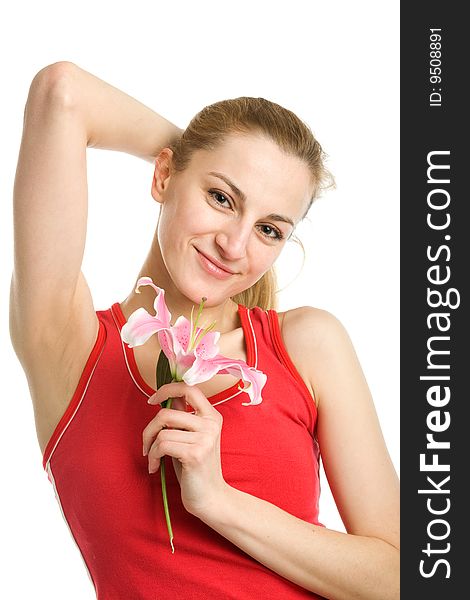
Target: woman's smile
point(211, 268)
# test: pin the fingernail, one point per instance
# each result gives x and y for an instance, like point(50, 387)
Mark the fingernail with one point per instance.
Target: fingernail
point(144, 452)
point(151, 399)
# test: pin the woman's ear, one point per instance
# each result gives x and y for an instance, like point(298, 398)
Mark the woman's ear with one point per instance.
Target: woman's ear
point(162, 174)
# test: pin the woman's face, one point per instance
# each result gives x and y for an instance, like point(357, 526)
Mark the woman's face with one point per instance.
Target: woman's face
point(236, 205)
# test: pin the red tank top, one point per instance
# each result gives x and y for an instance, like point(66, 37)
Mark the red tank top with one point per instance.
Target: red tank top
point(114, 508)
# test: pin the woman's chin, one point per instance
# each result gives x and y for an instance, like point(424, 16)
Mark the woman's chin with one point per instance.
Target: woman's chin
point(212, 297)
point(195, 287)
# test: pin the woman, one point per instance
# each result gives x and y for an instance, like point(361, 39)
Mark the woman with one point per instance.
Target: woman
point(244, 489)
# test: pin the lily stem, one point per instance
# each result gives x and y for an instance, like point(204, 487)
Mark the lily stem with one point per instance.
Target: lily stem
point(164, 494)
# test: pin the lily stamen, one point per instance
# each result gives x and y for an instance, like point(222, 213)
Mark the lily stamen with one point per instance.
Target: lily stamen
point(192, 341)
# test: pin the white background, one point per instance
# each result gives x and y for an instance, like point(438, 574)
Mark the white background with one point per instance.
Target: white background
point(333, 63)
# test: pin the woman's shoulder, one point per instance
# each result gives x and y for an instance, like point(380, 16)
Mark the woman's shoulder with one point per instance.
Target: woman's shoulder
point(310, 336)
point(308, 326)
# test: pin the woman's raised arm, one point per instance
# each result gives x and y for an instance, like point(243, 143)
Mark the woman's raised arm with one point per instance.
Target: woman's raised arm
point(53, 324)
point(67, 110)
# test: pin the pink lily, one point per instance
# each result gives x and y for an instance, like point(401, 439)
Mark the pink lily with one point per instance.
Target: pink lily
point(192, 351)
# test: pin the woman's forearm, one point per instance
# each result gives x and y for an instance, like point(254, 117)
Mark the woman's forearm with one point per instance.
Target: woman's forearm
point(335, 565)
point(114, 120)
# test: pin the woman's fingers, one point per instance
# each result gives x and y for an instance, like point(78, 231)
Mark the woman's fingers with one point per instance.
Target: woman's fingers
point(169, 442)
point(177, 403)
point(191, 394)
point(168, 417)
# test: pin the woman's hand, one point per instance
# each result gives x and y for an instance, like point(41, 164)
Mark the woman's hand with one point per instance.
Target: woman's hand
point(193, 440)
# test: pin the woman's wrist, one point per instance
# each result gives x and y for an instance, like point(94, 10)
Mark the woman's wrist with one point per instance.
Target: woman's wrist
point(216, 509)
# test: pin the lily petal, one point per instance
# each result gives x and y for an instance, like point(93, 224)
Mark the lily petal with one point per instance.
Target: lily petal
point(159, 304)
point(181, 332)
point(255, 379)
point(184, 362)
point(207, 347)
point(165, 340)
point(139, 327)
point(202, 370)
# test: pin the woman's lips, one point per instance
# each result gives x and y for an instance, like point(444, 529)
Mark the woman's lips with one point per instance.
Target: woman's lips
point(211, 268)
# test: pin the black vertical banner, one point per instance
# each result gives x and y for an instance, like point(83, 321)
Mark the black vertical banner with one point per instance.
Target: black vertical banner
point(435, 337)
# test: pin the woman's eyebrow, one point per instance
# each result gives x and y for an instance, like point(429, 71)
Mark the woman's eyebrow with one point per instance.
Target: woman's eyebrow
point(276, 217)
point(236, 190)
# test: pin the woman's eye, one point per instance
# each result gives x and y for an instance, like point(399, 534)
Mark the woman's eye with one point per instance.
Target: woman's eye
point(277, 234)
point(219, 198)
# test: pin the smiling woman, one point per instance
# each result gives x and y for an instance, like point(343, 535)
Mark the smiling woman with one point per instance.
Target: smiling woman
point(232, 187)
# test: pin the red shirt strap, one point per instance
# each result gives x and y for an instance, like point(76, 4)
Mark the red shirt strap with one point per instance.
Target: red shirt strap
point(281, 351)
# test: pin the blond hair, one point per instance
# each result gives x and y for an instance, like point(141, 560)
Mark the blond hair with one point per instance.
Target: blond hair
point(209, 127)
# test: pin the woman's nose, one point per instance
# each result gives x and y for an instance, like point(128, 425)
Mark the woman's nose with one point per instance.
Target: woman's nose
point(233, 241)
